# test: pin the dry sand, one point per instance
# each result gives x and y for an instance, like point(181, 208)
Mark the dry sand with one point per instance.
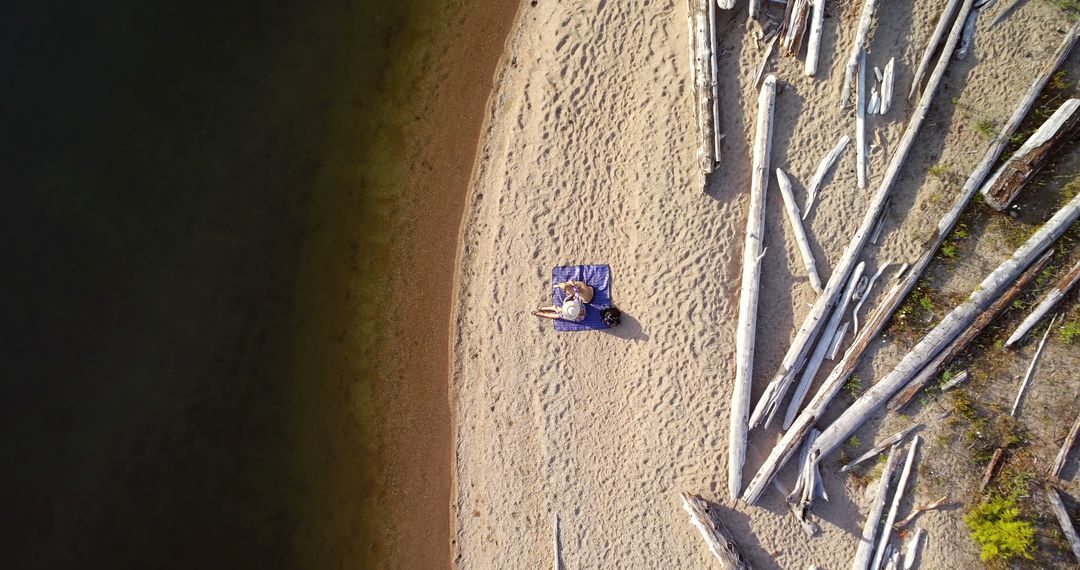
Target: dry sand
point(588, 157)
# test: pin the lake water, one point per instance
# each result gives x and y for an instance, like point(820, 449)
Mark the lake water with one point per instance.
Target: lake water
point(201, 201)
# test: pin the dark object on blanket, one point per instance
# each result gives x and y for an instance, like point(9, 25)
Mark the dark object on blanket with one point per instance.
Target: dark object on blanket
point(611, 316)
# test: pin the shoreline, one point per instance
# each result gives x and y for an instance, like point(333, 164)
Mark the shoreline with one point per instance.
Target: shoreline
point(447, 142)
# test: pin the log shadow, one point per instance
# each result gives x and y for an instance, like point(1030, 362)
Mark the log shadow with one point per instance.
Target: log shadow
point(738, 525)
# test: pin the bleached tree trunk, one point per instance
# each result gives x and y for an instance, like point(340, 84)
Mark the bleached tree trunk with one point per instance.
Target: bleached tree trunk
point(808, 331)
point(1001, 189)
point(865, 295)
point(813, 47)
point(822, 170)
point(1063, 454)
point(943, 358)
point(918, 510)
point(862, 31)
point(890, 441)
point(956, 380)
point(887, 86)
point(860, 123)
point(898, 496)
point(932, 45)
point(1031, 369)
point(748, 298)
point(782, 452)
point(837, 341)
point(710, 526)
point(912, 551)
point(948, 329)
point(867, 541)
point(797, 228)
point(701, 64)
point(1048, 302)
point(821, 350)
point(1064, 520)
point(555, 544)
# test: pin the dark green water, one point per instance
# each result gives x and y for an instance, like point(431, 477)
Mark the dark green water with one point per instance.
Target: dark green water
point(197, 198)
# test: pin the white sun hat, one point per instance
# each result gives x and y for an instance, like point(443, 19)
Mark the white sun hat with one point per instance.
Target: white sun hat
point(572, 309)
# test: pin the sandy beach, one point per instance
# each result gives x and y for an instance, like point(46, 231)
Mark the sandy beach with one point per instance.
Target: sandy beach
point(588, 156)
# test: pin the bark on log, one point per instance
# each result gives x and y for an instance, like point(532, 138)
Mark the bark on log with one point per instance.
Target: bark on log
point(949, 328)
point(813, 47)
point(803, 243)
point(862, 30)
point(748, 298)
point(867, 541)
point(765, 61)
point(1001, 189)
point(820, 351)
point(1063, 454)
point(1031, 369)
point(943, 358)
point(823, 169)
point(1064, 520)
point(1048, 302)
point(898, 496)
point(808, 331)
point(890, 441)
point(860, 123)
point(701, 64)
point(798, 11)
point(991, 468)
point(712, 530)
point(932, 45)
point(968, 37)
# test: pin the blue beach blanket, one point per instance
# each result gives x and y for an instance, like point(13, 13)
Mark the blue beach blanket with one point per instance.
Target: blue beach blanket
point(596, 276)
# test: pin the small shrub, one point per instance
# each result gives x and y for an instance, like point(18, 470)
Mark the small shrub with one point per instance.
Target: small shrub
point(925, 301)
point(853, 386)
point(997, 528)
point(1070, 332)
point(948, 252)
point(937, 171)
point(986, 127)
point(854, 442)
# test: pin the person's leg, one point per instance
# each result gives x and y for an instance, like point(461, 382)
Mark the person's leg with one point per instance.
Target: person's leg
point(548, 312)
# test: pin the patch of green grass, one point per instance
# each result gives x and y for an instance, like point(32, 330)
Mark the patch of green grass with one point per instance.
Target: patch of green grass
point(1000, 532)
point(963, 406)
point(948, 253)
point(986, 127)
point(853, 386)
point(925, 301)
point(854, 442)
point(1070, 7)
point(1070, 331)
point(937, 171)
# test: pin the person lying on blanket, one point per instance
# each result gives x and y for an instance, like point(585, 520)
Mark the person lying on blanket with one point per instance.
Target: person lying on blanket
point(573, 306)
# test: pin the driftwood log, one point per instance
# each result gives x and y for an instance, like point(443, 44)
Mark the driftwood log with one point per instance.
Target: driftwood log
point(920, 509)
point(797, 228)
point(955, 381)
point(898, 496)
point(991, 468)
point(949, 328)
point(1063, 454)
point(748, 298)
point(783, 450)
point(860, 123)
point(933, 44)
point(708, 523)
point(865, 550)
point(822, 170)
point(1031, 369)
point(865, 295)
point(911, 554)
point(796, 355)
point(798, 11)
point(701, 62)
point(1057, 293)
point(813, 46)
point(555, 544)
point(862, 32)
point(945, 356)
point(822, 349)
point(1001, 189)
point(1064, 520)
point(837, 341)
point(890, 441)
